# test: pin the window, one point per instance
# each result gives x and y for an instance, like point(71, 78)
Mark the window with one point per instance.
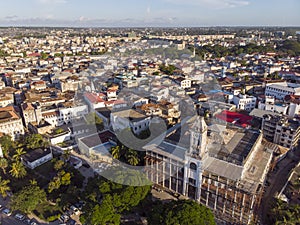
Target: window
point(193, 166)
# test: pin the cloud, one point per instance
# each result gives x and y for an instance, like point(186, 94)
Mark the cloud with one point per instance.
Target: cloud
point(12, 17)
point(217, 4)
point(52, 1)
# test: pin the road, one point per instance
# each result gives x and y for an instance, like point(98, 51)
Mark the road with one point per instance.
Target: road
point(277, 180)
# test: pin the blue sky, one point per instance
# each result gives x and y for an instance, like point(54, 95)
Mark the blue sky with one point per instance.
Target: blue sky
point(150, 12)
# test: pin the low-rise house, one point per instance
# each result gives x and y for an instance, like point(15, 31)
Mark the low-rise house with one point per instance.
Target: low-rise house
point(37, 157)
point(97, 146)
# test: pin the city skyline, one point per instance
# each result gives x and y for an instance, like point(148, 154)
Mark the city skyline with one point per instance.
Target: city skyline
point(156, 13)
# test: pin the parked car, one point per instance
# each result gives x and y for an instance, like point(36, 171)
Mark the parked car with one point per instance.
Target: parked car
point(64, 218)
point(6, 211)
point(19, 216)
point(27, 221)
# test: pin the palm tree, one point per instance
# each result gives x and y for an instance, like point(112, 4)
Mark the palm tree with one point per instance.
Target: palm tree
point(3, 164)
point(33, 182)
point(66, 155)
point(18, 170)
point(4, 188)
point(115, 152)
point(19, 152)
point(132, 157)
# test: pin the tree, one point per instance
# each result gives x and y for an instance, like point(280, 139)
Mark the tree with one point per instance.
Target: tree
point(4, 188)
point(115, 152)
point(18, 170)
point(19, 152)
point(101, 214)
point(132, 157)
point(33, 182)
point(35, 141)
point(7, 144)
point(62, 178)
point(28, 199)
point(58, 165)
point(66, 155)
point(181, 212)
point(54, 184)
point(3, 164)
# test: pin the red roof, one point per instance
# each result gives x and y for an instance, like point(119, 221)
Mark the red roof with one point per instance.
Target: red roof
point(93, 98)
point(235, 118)
point(34, 54)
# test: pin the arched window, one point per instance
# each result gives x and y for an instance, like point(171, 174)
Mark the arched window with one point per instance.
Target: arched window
point(193, 166)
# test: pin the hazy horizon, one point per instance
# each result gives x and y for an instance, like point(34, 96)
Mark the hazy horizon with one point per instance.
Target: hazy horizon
point(154, 13)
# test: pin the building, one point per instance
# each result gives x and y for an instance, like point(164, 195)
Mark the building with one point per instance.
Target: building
point(97, 146)
point(183, 83)
point(294, 105)
point(222, 168)
point(129, 118)
point(244, 102)
point(37, 157)
point(6, 99)
point(280, 90)
point(10, 122)
point(281, 130)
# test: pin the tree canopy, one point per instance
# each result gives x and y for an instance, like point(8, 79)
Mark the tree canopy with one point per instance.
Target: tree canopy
point(181, 212)
point(28, 199)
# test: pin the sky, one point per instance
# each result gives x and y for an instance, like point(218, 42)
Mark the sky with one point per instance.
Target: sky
point(145, 13)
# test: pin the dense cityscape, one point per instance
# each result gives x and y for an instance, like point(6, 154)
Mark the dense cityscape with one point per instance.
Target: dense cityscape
point(150, 125)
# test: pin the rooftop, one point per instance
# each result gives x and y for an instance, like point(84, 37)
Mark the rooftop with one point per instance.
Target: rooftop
point(36, 154)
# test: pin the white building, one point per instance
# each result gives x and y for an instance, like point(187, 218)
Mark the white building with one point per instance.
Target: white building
point(129, 119)
point(244, 102)
point(64, 115)
point(37, 157)
point(280, 90)
point(10, 122)
point(183, 83)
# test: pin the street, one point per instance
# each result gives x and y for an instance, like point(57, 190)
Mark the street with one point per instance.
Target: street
point(276, 181)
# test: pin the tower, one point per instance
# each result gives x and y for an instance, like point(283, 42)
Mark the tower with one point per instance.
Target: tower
point(198, 137)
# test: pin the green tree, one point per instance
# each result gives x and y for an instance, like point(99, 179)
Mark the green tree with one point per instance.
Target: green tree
point(18, 170)
point(18, 153)
point(132, 157)
point(63, 178)
point(33, 182)
point(28, 199)
point(35, 141)
point(102, 214)
point(7, 144)
point(181, 212)
point(54, 184)
point(115, 152)
point(3, 164)
point(4, 188)
point(59, 164)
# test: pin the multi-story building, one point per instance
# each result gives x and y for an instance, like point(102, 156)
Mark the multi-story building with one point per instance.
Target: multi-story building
point(10, 122)
point(222, 168)
point(281, 130)
point(129, 118)
point(280, 90)
point(244, 102)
